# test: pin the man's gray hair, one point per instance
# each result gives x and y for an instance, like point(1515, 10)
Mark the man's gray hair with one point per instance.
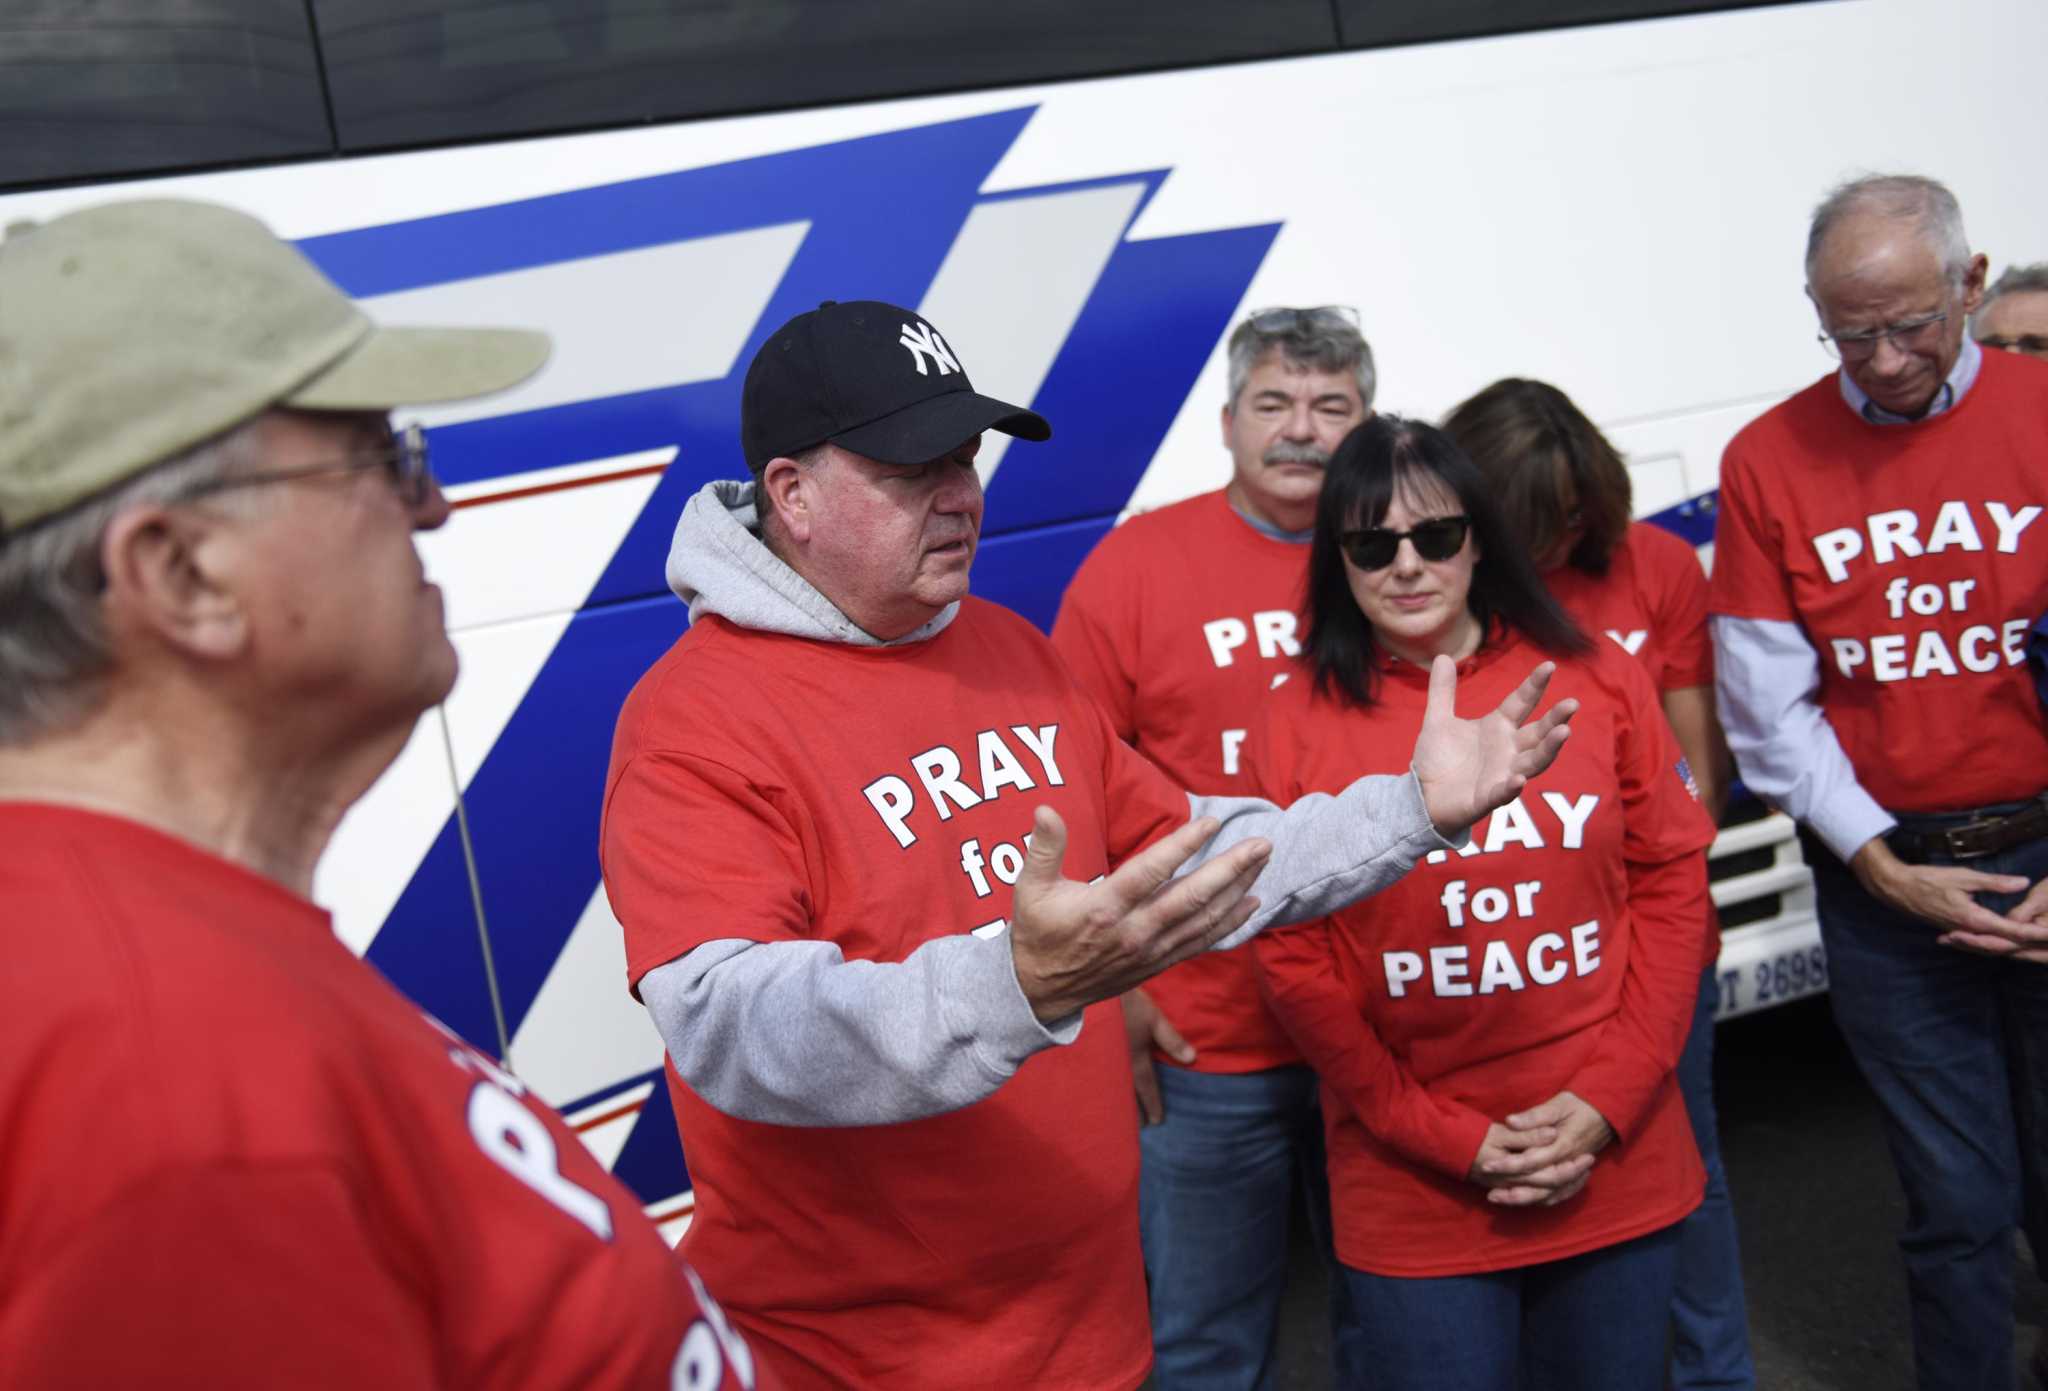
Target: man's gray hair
point(55, 650)
point(1324, 340)
point(2015, 280)
point(1926, 202)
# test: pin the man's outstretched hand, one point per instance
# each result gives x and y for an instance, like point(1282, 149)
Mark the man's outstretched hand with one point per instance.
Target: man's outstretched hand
point(1469, 767)
point(1074, 944)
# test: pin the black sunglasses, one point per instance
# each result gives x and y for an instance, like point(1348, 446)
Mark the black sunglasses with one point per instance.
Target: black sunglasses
point(1439, 538)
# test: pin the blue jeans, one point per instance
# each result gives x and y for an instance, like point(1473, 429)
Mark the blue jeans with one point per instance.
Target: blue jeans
point(1709, 1323)
point(1955, 1046)
point(1593, 1322)
point(1213, 1209)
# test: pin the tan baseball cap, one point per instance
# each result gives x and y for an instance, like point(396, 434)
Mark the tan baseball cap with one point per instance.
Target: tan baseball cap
point(132, 331)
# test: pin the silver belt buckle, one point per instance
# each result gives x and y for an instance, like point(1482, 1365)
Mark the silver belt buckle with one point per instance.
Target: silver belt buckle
point(1982, 825)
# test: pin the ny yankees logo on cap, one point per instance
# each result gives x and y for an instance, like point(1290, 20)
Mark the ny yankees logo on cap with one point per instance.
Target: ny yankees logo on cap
point(837, 374)
point(924, 342)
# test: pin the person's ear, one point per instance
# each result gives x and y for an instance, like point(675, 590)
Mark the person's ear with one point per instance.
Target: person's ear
point(1973, 282)
point(170, 572)
point(785, 491)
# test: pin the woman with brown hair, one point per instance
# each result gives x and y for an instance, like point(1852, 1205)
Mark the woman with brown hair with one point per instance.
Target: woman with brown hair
point(1565, 491)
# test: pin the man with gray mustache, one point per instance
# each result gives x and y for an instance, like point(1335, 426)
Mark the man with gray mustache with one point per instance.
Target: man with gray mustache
point(1179, 623)
point(1275, 472)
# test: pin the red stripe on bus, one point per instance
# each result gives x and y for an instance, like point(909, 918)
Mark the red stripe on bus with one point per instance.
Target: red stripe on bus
point(563, 486)
point(595, 1121)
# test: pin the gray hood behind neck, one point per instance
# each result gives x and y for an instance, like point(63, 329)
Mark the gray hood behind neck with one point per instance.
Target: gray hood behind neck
point(718, 564)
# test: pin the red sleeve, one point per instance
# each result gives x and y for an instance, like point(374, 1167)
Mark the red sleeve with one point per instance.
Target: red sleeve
point(225, 1278)
point(1665, 835)
point(1681, 617)
point(1095, 631)
point(1298, 977)
point(1749, 575)
point(695, 852)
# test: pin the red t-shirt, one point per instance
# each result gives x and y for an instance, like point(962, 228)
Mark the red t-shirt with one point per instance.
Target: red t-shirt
point(770, 788)
point(1916, 559)
point(1178, 623)
point(1652, 600)
point(236, 1157)
point(1559, 951)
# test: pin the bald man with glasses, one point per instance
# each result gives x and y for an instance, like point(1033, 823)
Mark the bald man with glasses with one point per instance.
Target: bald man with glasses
point(1880, 555)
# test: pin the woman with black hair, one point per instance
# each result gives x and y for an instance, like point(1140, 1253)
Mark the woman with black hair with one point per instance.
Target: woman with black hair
point(1495, 1034)
point(1566, 493)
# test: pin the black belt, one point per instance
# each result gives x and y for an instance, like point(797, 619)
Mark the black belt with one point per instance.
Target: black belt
point(1974, 839)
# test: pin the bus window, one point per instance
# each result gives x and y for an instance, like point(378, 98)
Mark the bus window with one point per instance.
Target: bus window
point(126, 86)
point(1373, 23)
point(403, 73)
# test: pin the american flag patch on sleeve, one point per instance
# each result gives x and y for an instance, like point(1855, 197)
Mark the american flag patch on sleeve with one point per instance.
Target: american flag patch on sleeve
point(1684, 771)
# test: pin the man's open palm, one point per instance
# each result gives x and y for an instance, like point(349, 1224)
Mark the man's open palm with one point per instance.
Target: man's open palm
point(1075, 943)
point(1469, 767)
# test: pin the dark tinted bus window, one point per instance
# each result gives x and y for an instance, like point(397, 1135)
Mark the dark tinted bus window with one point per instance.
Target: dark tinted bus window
point(1372, 23)
point(96, 87)
point(407, 72)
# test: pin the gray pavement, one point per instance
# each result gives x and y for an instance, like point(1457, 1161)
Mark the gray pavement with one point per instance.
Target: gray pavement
point(1818, 1207)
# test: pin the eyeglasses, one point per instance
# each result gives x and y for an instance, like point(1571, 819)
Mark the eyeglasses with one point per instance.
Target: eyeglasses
point(404, 456)
point(1374, 548)
point(1285, 320)
point(2034, 343)
point(1855, 347)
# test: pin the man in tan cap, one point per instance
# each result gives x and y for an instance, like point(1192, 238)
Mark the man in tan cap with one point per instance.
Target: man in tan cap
point(230, 1153)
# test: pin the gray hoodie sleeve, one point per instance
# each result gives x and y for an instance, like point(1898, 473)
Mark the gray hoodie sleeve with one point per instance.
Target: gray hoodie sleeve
point(1328, 851)
point(791, 1033)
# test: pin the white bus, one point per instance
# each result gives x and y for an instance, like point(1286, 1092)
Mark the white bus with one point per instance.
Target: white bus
point(1606, 194)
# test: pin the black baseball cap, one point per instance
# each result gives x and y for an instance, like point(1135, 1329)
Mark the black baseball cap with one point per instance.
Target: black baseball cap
point(869, 377)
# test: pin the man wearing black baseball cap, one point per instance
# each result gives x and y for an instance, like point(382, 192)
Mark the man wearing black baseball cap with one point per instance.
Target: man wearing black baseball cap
point(884, 867)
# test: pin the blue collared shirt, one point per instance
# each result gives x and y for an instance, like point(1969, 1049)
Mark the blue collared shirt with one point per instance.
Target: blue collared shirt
point(1960, 379)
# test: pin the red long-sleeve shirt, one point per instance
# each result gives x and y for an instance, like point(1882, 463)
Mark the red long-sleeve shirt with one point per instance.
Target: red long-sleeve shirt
point(1559, 951)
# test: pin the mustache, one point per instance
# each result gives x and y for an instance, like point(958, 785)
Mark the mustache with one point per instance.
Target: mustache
point(1289, 452)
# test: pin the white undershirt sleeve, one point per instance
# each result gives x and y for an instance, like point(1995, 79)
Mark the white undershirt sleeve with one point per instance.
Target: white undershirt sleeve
point(1767, 677)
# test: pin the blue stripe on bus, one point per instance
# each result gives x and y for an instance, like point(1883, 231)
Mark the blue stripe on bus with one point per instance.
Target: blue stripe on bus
point(651, 1163)
point(1124, 374)
point(865, 176)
